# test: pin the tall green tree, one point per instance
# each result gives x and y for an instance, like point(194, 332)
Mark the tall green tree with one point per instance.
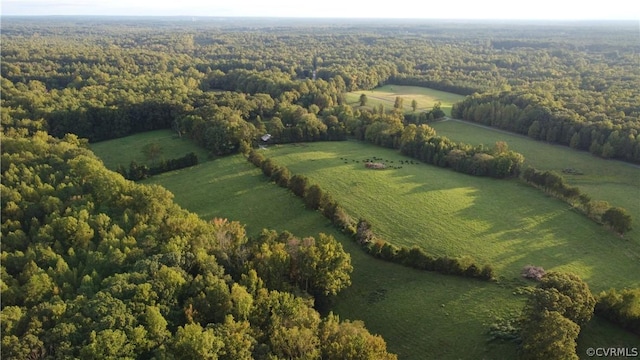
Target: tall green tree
point(350, 340)
point(565, 293)
point(618, 219)
point(398, 103)
point(192, 341)
point(313, 196)
point(363, 99)
point(550, 336)
point(325, 268)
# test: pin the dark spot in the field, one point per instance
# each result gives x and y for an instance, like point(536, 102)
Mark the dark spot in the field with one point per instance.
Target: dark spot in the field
point(376, 296)
point(572, 171)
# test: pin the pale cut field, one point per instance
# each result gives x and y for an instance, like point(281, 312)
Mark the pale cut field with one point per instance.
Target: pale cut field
point(387, 94)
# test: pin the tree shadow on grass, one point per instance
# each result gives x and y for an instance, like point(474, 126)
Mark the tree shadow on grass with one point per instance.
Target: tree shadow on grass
point(501, 222)
point(533, 229)
point(517, 226)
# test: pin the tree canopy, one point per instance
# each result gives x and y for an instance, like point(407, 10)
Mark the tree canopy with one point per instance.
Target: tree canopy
point(97, 266)
point(570, 84)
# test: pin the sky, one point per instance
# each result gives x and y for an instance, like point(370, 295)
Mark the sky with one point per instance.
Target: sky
point(439, 9)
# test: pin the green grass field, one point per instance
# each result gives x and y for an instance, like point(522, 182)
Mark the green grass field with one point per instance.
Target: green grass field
point(233, 188)
point(614, 181)
point(501, 222)
point(121, 151)
point(387, 94)
point(421, 315)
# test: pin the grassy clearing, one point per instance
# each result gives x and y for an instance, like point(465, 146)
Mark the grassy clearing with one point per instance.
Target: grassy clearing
point(387, 94)
point(613, 181)
point(421, 315)
point(233, 188)
point(416, 312)
point(123, 150)
point(501, 222)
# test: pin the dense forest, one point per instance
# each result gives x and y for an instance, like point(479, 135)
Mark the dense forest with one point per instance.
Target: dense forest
point(573, 84)
point(94, 265)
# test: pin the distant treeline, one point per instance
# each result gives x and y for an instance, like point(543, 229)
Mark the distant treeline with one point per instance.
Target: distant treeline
point(575, 87)
point(543, 118)
point(140, 171)
point(316, 198)
point(103, 123)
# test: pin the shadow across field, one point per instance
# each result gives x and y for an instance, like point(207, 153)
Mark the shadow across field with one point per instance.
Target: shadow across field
point(530, 228)
point(501, 222)
point(609, 180)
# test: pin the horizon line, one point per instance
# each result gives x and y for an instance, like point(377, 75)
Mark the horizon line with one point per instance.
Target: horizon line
point(319, 17)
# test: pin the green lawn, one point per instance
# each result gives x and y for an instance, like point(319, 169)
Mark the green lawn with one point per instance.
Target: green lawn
point(501, 222)
point(123, 150)
point(387, 94)
point(614, 181)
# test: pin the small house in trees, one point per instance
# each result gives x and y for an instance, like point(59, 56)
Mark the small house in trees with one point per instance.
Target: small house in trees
point(265, 137)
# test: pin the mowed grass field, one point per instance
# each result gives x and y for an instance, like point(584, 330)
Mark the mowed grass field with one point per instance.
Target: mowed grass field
point(123, 150)
point(387, 94)
point(613, 181)
point(501, 222)
point(421, 315)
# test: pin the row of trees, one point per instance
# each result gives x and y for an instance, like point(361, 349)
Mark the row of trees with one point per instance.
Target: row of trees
point(417, 258)
point(612, 135)
point(138, 172)
point(621, 307)
point(102, 123)
point(616, 218)
point(316, 198)
point(497, 162)
point(96, 266)
point(422, 143)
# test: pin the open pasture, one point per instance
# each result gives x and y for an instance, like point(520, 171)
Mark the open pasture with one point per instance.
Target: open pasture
point(123, 150)
point(386, 95)
point(613, 181)
point(421, 315)
point(501, 222)
point(399, 303)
